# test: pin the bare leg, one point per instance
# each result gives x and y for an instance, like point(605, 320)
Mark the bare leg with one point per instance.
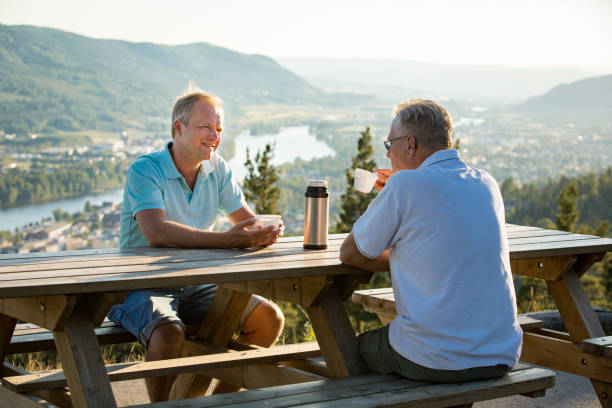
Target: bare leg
point(262, 327)
point(166, 342)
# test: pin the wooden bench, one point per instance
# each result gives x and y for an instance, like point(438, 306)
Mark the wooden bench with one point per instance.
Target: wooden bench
point(29, 338)
point(377, 390)
point(382, 302)
point(368, 390)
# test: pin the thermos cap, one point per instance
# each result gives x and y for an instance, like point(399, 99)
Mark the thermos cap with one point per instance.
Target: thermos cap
point(317, 183)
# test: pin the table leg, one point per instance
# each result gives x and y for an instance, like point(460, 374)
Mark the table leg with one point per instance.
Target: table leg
point(79, 352)
point(336, 336)
point(580, 320)
point(7, 323)
point(218, 327)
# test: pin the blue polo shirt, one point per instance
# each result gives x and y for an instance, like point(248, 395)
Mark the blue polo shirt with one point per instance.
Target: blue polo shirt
point(154, 182)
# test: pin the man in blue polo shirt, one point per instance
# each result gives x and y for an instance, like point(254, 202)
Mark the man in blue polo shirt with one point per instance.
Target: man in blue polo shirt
point(171, 199)
point(438, 226)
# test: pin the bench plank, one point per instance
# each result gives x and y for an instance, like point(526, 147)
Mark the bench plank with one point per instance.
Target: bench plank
point(376, 390)
point(130, 371)
point(445, 395)
point(29, 338)
point(600, 346)
point(382, 300)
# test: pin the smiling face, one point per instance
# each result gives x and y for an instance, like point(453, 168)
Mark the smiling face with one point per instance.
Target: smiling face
point(201, 136)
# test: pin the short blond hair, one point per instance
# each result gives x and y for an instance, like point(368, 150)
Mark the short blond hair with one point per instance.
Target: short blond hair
point(183, 106)
point(428, 121)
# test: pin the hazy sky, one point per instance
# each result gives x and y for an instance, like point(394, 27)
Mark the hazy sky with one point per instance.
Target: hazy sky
point(547, 33)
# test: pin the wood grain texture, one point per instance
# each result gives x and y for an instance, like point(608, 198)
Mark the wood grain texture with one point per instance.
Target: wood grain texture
point(79, 352)
point(111, 270)
point(336, 336)
point(547, 268)
point(59, 397)
point(100, 303)
point(7, 323)
point(50, 312)
point(218, 328)
point(575, 308)
point(564, 356)
point(375, 390)
point(197, 363)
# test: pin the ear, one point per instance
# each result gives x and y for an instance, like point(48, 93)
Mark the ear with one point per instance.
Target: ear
point(178, 127)
point(410, 146)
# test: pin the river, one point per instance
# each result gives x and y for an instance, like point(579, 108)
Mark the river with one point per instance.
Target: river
point(17, 217)
point(291, 143)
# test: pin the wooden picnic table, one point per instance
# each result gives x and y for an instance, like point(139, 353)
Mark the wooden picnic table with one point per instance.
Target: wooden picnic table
point(71, 292)
point(560, 258)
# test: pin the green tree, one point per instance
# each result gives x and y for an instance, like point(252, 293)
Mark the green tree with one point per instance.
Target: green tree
point(17, 237)
point(457, 144)
point(57, 214)
point(568, 211)
point(259, 184)
point(353, 203)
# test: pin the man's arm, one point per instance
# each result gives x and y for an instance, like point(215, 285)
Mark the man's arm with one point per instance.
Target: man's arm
point(241, 214)
point(161, 232)
point(350, 254)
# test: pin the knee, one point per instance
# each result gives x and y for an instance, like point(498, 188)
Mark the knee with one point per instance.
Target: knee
point(167, 339)
point(267, 320)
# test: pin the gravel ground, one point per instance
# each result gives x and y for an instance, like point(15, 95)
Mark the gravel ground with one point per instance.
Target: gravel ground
point(570, 391)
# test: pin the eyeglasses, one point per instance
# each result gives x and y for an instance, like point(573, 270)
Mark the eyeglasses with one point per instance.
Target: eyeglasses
point(387, 142)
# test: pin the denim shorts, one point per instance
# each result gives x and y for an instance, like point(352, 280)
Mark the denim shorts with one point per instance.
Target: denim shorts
point(379, 356)
point(144, 310)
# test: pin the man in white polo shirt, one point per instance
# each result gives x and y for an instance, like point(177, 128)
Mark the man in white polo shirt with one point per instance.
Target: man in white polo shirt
point(438, 226)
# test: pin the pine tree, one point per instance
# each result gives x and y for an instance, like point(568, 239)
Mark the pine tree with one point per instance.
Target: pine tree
point(17, 237)
point(353, 203)
point(259, 184)
point(568, 211)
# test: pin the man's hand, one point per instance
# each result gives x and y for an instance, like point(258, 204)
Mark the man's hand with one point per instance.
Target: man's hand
point(241, 237)
point(383, 175)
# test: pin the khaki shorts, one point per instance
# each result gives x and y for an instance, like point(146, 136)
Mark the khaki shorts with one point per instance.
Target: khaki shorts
point(379, 356)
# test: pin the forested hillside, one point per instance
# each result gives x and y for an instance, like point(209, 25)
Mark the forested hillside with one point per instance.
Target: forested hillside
point(534, 204)
point(54, 80)
point(48, 183)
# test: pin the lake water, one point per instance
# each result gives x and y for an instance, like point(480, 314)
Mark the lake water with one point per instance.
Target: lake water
point(291, 143)
point(17, 217)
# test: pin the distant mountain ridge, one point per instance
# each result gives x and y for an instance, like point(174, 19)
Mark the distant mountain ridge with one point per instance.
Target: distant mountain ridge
point(591, 96)
point(55, 80)
point(464, 81)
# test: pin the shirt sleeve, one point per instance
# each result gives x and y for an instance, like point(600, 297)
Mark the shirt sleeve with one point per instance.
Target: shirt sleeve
point(376, 230)
point(143, 189)
point(231, 197)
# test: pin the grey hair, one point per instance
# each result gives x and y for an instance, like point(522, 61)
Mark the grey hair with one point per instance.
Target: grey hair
point(183, 106)
point(427, 121)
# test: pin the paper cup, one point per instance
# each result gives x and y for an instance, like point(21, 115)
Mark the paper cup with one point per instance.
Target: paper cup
point(265, 220)
point(364, 180)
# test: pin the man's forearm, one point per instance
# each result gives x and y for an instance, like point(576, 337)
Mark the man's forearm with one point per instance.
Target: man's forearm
point(381, 263)
point(172, 234)
point(350, 254)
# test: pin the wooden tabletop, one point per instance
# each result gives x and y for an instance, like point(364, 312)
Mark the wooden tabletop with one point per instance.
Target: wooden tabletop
point(103, 270)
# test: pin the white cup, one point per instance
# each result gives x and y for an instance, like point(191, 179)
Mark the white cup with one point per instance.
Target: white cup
point(265, 220)
point(364, 180)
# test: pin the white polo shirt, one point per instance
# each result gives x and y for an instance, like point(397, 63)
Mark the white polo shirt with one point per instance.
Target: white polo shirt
point(450, 267)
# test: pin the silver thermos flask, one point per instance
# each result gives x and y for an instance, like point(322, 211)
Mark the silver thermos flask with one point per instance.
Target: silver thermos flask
point(316, 215)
